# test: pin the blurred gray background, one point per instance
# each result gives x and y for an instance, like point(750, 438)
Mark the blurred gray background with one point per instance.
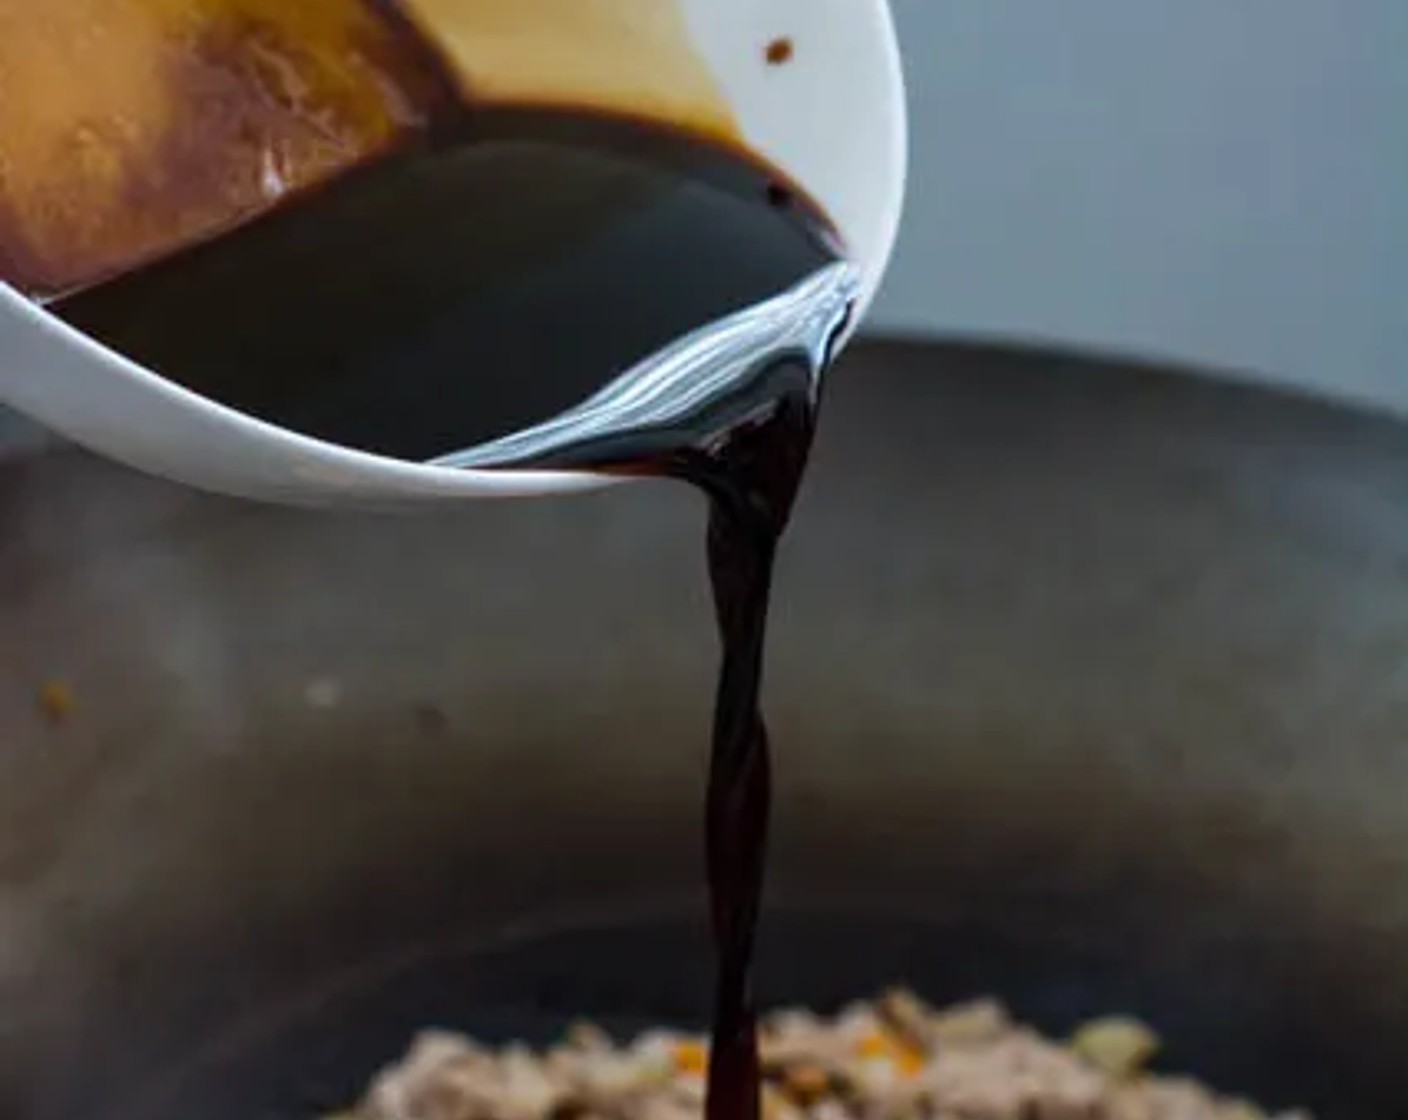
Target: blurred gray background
point(1221, 182)
point(1218, 181)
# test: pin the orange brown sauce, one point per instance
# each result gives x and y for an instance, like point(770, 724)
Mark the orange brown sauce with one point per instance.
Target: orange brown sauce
point(132, 128)
point(128, 129)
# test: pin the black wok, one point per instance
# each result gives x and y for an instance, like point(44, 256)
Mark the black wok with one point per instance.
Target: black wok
point(1089, 688)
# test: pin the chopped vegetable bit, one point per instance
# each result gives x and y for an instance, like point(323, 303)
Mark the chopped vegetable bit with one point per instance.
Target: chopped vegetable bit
point(885, 1046)
point(970, 1024)
point(894, 1059)
point(691, 1057)
point(1118, 1046)
point(905, 1015)
point(806, 1082)
point(56, 701)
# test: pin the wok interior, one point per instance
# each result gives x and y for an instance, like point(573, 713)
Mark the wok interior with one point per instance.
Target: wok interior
point(1088, 687)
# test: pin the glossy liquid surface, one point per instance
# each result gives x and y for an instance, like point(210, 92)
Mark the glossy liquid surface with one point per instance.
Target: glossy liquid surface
point(468, 288)
point(748, 458)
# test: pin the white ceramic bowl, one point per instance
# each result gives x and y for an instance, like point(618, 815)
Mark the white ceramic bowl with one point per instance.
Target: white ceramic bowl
point(833, 118)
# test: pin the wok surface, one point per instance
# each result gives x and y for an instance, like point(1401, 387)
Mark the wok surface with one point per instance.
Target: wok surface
point(1089, 687)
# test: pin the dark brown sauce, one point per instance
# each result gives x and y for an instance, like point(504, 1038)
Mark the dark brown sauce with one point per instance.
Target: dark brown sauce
point(467, 286)
point(487, 281)
point(748, 461)
point(751, 481)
